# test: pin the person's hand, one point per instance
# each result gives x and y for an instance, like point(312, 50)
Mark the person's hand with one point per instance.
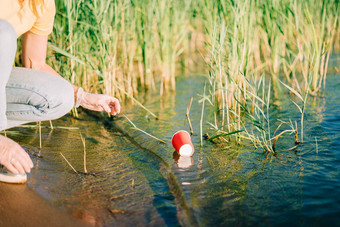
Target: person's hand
point(97, 102)
point(13, 157)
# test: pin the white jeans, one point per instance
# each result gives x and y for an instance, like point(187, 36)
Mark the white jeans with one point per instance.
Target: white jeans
point(28, 95)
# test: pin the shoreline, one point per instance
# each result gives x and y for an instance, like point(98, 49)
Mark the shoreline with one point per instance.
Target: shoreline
point(21, 206)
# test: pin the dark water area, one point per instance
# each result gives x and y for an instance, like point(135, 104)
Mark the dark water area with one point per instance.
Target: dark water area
point(135, 180)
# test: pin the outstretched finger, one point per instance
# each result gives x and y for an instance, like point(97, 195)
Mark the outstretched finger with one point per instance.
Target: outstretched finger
point(11, 168)
point(24, 158)
point(28, 159)
point(24, 163)
point(17, 165)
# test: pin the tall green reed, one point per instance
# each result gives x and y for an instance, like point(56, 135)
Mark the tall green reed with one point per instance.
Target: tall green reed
point(115, 46)
point(288, 41)
point(130, 46)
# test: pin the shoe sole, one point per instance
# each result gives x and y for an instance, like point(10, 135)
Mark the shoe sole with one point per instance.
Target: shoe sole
point(13, 178)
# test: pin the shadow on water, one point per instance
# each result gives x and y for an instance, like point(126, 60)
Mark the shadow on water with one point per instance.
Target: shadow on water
point(160, 180)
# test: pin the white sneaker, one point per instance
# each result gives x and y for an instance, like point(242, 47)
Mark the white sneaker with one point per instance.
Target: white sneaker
point(8, 177)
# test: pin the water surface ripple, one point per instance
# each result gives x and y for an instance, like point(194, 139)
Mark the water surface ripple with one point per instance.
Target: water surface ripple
point(135, 180)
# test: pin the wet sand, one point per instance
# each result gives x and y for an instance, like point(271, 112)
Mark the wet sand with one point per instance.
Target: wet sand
point(21, 206)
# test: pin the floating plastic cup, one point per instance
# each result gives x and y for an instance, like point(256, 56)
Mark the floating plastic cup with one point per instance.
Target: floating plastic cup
point(182, 143)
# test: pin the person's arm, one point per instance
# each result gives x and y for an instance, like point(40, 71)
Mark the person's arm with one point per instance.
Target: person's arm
point(34, 57)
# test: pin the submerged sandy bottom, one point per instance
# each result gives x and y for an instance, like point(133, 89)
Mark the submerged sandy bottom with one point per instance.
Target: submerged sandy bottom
point(21, 206)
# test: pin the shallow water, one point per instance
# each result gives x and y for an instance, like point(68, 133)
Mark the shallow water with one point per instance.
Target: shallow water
point(135, 180)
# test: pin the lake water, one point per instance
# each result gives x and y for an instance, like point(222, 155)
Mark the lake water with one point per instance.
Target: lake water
point(136, 180)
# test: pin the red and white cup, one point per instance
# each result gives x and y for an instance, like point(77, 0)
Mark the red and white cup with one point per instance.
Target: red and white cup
point(182, 143)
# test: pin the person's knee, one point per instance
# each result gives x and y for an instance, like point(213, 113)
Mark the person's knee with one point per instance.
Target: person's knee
point(47, 96)
point(8, 37)
point(63, 99)
point(67, 99)
point(56, 97)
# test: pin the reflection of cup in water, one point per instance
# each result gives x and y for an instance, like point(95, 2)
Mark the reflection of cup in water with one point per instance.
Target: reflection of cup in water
point(183, 161)
point(182, 143)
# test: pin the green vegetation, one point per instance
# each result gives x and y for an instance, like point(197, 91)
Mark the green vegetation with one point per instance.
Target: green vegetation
point(255, 45)
point(120, 47)
point(254, 50)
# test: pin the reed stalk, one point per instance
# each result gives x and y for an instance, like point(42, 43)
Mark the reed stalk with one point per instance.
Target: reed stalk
point(40, 139)
point(51, 125)
point(202, 114)
point(148, 134)
point(68, 163)
point(188, 115)
point(84, 146)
